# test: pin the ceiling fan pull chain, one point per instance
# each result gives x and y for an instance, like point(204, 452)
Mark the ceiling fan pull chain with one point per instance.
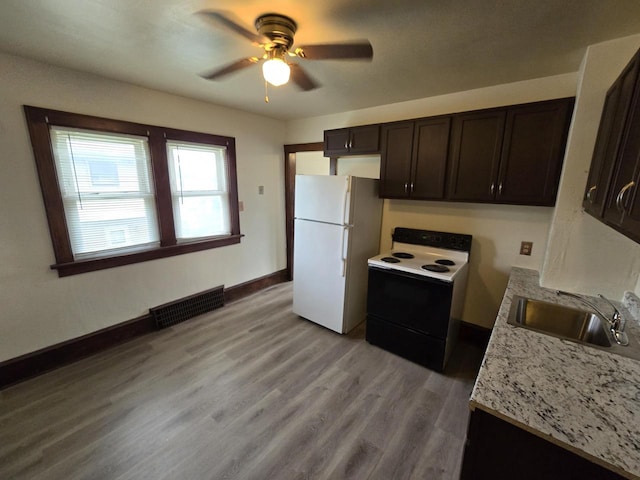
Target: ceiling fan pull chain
point(266, 92)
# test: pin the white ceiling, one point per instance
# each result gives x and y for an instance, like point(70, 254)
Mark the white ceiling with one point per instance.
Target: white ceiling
point(421, 47)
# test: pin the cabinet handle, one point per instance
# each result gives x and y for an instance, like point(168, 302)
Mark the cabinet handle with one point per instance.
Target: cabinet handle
point(620, 197)
point(346, 144)
point(590, 193)
point(500, 189)
point(411, 187)
point(351, 141)
point(493, 188)
point(405, 187)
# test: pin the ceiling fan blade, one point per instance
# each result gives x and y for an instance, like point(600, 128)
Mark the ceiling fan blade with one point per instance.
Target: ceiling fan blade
point(231, 68)
point(301, 78)
point(224, 18)
point(357, 50)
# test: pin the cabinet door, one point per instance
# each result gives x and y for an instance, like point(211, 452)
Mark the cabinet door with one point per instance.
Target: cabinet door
point(604, 154)
point(614, 114)
point(476, 142)
point(430, 148)
point(498, 450)
point(336, 142)
point(631, 220)
point(365, 139)
point(395, 162)
point(623, 202)
point(623, 182)
point(532, 152)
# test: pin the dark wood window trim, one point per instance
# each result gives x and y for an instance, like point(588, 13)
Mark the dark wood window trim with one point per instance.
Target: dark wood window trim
point(39, 119)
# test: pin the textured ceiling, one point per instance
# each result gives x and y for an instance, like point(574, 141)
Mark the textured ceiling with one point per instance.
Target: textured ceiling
point(421, 47)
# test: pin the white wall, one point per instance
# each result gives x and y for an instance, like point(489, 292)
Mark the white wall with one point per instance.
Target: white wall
point(366, 166)
point(39, 309)
point(584, 255)
point(311, 163)
point(497, 229)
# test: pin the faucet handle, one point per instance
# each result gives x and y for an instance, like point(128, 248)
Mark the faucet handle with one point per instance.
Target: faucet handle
point(617, 324)
point(616, 319)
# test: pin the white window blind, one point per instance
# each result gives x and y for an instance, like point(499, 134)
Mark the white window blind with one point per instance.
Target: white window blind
point(106, 188)
point(199, 190)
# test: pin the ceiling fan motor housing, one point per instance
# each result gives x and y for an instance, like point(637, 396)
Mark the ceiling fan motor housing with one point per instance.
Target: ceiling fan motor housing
point(278, 28)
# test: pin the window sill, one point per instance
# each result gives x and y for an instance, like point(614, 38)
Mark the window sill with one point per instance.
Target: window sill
point(90, 265)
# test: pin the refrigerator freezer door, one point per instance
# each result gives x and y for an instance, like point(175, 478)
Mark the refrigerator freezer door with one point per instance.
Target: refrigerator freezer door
point(323, 198)
point(319, 273)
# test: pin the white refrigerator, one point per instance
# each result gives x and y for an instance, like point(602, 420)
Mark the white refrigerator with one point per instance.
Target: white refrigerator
point(336, 229)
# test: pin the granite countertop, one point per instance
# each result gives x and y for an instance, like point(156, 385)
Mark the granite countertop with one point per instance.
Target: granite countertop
point(581, 398)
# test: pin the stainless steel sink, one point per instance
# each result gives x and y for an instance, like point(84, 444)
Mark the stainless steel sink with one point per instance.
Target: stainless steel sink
point(560, 321)
point(580, 326)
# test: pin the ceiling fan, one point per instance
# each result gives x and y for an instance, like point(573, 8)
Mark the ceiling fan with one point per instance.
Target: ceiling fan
point(275, 35)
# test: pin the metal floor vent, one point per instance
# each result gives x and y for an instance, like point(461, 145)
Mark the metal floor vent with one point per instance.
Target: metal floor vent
point(188, 307)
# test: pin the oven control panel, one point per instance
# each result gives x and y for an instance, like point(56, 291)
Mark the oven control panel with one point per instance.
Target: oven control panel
point(430, 238)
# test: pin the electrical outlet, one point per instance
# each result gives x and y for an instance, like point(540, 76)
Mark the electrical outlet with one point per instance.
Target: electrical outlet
point(525, 248)
point(260, 189)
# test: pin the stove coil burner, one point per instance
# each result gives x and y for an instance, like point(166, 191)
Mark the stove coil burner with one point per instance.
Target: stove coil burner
point(445, 261)
point(390, 260)
point(402, 255)
point(435, 268)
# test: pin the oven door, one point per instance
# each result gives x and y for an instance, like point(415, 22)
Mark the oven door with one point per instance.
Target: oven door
point(417, 302)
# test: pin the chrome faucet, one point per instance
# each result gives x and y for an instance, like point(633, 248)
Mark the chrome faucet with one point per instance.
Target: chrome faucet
point(616, 322)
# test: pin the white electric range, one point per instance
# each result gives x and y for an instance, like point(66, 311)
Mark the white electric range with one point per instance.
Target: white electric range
point(416, 294)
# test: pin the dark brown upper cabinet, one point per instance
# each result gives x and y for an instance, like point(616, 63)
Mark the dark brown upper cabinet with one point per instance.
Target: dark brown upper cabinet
point(414, 158)
point(509, 155)
point(611, 193)
point(352, 141)
point(607, 144)
point(476, 142)
point(622, 206)
point(532, 152)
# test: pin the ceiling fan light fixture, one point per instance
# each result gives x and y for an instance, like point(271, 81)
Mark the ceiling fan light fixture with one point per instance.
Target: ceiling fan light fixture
point(276, 71)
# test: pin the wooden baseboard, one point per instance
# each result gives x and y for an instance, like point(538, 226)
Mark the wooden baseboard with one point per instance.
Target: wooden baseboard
point(36, 363)
point(245, 289)
point(32, 364)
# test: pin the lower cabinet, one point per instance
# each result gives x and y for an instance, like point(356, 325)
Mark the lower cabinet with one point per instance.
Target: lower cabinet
point(498, 450)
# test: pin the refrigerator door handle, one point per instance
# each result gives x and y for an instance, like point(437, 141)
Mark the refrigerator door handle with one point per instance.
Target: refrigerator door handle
point(346, 201)
point(343, 256)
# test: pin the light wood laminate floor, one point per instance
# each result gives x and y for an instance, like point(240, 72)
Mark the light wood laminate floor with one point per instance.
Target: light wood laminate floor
point(250, 391)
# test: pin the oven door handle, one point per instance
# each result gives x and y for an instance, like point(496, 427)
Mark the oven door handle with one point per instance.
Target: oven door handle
point(343, 253)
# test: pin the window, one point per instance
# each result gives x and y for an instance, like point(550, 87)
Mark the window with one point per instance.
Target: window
point(198, 190)
point(105, 183)
point(118, 192)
